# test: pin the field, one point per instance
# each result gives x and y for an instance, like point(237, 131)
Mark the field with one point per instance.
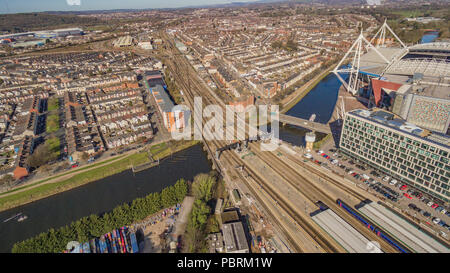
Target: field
point(52, 123)
point(53, 104)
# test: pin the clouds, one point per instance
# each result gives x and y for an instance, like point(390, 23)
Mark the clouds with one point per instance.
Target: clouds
point(73, 2)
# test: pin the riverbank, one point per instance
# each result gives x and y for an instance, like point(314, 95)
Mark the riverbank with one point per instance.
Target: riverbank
point(93, 226)
point(301, 92)
point(70, 181)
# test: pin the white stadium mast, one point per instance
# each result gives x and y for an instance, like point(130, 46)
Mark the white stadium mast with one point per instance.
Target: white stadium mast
point(381, 36)
point(357, 49)
point(355, 52)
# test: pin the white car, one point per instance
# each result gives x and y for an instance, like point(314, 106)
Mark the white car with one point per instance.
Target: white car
point(365, 176)
point(393, 182)
point(430, 204)
point(386, 179)
point(308, 155)
point(320, 152)
point(436, 220)
point(444, 211)
point(334, 162)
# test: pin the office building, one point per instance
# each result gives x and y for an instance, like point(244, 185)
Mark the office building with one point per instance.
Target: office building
point(399, 149)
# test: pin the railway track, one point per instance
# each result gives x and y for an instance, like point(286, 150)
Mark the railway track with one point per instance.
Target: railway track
point(189, 84)
point(232, 162)
point(328, 178)
point(314, 193)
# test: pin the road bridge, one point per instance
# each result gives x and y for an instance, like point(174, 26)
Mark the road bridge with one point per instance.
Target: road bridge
point(304, 123)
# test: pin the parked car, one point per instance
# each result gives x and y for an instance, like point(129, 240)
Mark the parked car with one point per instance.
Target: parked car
point(403, 187)
point(407, 195)
point(434, 206)
point(430, 204)
point(444, 211)
point(393, 182)
point(386, 179)
point(426, 214)
point(436, 220)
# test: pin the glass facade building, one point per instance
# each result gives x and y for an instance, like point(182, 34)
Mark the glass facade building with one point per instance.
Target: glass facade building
point(401, 150)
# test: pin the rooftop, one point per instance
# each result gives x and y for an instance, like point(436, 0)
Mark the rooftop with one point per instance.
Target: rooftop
point(393, 121)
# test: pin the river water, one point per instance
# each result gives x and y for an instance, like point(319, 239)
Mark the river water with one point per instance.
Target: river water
point(320, 100)
point(99, 197)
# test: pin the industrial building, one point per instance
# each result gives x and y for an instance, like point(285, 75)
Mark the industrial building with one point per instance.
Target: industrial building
point(234, 238)
point(45, 34)
point(399, 149)
point(56, 33)
point(123, 41)
point(173, 120)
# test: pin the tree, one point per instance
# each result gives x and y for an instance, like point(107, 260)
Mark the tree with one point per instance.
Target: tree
point(41, 156)
point(199, 214)
point(168, 197)
point(202, 187)
point(85, 156)
point(6, 180)
point(180, 190)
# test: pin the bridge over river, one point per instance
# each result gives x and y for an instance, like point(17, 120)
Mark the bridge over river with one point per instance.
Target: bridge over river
point(305, 123)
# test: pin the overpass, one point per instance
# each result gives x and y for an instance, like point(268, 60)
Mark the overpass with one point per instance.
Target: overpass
point(304, 123)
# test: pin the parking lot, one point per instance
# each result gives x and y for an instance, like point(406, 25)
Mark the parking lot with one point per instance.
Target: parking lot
point(418, 205)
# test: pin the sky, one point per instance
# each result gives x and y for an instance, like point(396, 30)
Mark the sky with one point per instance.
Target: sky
point(16, 6)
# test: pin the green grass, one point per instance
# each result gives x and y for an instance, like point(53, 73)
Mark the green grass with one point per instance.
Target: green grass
point(319, 143)
point(54, 145)
point(52, 123)
point(53, 104)
point(158, 148)
point(57, 176)
point(119, 166)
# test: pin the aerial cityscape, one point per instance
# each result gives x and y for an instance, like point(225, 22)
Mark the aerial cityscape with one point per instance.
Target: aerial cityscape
point(317, 126)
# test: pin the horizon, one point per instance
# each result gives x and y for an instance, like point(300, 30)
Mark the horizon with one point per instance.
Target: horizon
point(30, 6)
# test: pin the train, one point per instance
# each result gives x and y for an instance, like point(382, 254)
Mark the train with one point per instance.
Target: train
point(370, 225)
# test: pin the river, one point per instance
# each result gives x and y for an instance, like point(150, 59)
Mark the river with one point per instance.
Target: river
point(320, 100)
point(99, 197)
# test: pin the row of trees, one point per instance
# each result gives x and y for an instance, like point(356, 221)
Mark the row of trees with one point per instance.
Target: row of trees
point(93, 226)
point(203, 189)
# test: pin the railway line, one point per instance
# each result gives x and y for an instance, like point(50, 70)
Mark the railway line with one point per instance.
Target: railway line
point(233, 161)
point(314, 193)
point(187, 87)
point(181, 71)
